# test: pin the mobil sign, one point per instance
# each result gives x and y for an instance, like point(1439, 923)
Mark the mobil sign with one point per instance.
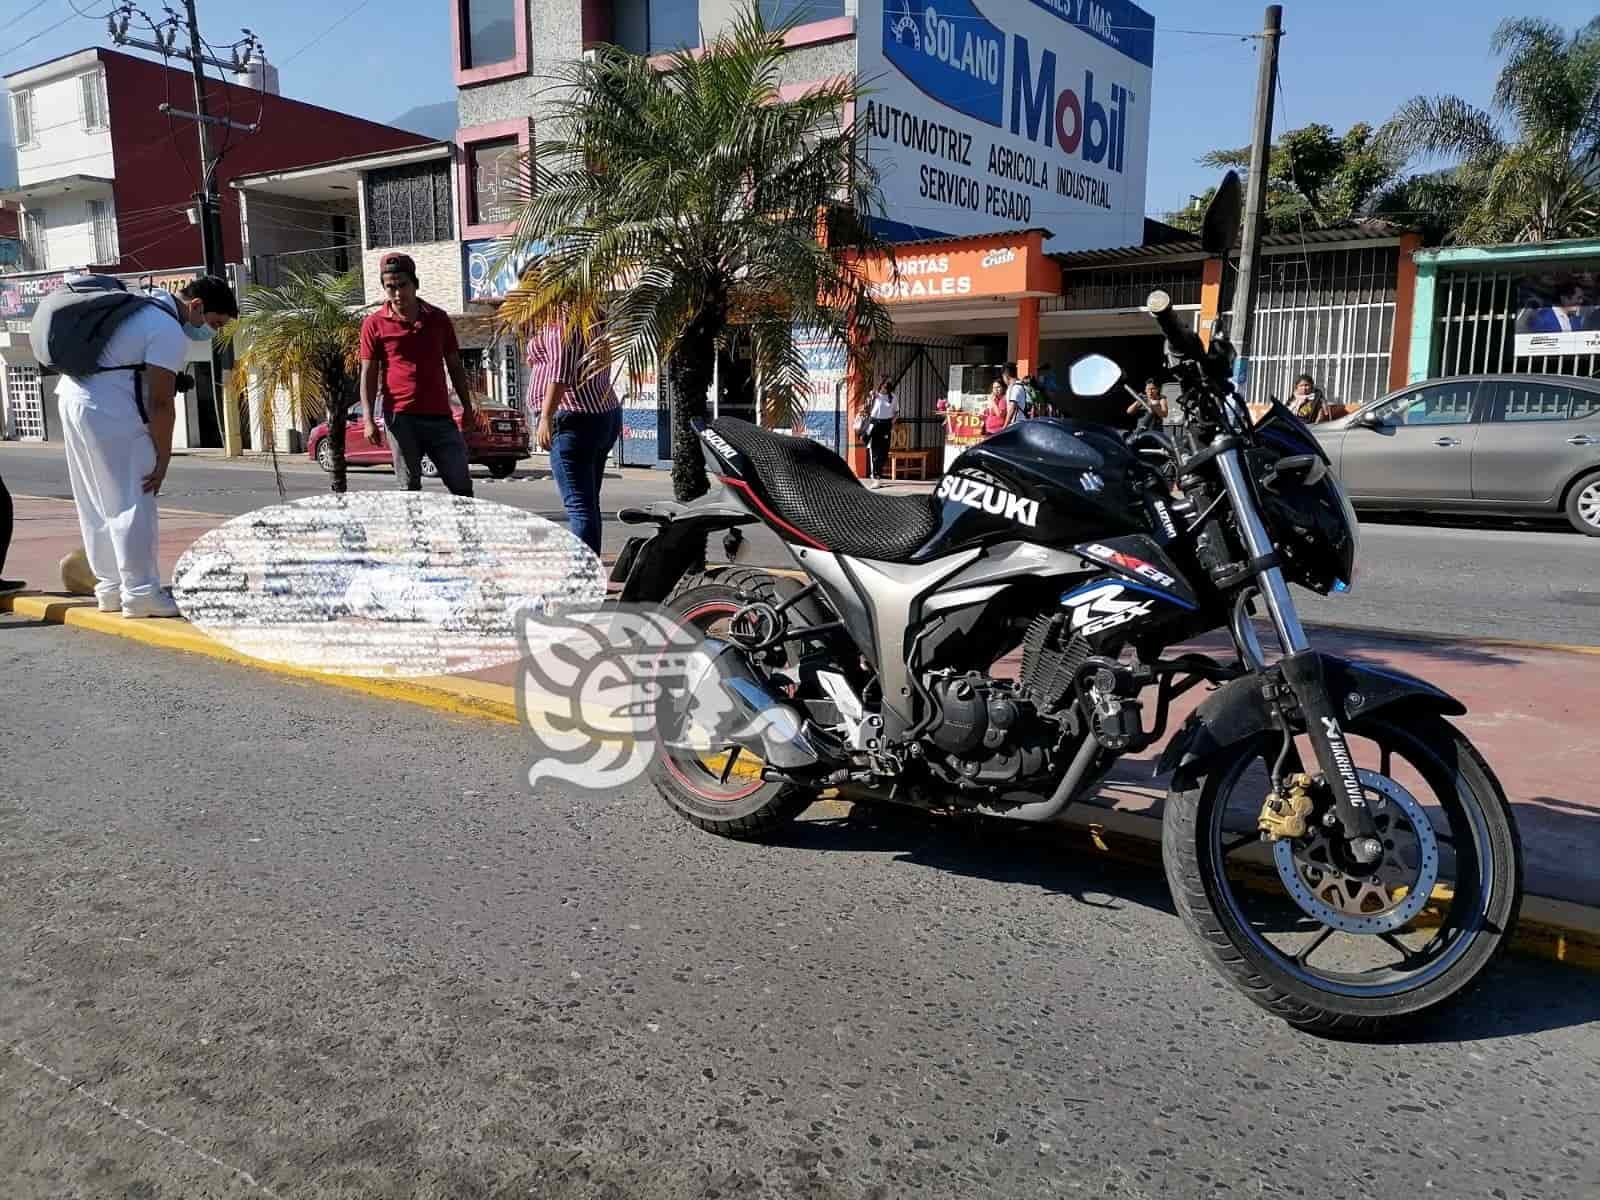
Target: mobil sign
point(1019, 114)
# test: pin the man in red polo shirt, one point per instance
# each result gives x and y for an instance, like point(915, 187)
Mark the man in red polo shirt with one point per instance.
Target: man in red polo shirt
point(407, 346)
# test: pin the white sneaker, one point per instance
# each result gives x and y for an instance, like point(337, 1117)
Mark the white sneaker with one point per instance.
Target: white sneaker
point(159, 605)
point(109, 604)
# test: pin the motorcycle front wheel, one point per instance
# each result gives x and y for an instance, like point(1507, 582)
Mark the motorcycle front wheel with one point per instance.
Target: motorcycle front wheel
point(1329, 944)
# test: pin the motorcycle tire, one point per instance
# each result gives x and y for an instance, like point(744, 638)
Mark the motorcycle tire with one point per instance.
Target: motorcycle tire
point(755, 808)
point(1490, 895)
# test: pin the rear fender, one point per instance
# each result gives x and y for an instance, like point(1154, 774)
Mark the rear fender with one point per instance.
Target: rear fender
point(650, 565)
point(1238, 711)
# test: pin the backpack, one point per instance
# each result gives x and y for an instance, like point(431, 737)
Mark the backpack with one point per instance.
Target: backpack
point(71, 327)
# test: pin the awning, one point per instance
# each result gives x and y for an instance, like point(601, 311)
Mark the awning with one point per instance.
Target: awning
point(44, 189)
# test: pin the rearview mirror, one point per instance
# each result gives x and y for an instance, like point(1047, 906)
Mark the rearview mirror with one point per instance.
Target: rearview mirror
point(1094, 375)
point(1219, 231)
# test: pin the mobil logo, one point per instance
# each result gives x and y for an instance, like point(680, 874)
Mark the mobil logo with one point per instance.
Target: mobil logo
point(951, 52)
point(1092, 126)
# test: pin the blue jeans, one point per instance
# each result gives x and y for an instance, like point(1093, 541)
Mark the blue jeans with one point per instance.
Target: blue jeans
point(578, 449)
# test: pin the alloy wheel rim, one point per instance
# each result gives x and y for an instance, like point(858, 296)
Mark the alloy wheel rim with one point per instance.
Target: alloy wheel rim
point(1467, 829)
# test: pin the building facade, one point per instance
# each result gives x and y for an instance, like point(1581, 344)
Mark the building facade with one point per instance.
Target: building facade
point(106, 183)
point(1025, 128)
point(1532, 308)
point(408, 201)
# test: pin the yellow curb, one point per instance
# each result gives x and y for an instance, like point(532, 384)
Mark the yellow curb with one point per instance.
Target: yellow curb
point(464, 697)
point(1549, 928)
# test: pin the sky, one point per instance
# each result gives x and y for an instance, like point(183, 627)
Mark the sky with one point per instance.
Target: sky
point(1342, 61)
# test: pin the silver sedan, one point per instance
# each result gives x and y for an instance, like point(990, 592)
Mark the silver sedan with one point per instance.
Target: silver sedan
point(1507, 444)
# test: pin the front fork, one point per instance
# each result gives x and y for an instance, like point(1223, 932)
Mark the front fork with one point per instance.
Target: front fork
point(1302, 668)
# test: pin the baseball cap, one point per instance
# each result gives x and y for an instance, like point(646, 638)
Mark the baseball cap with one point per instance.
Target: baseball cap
point(398, 263)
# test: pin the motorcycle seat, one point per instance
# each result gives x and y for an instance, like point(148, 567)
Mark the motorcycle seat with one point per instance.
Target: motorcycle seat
point(811, 489)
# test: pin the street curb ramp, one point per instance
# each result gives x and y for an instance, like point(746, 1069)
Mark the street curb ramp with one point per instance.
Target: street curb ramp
point(1549, 928)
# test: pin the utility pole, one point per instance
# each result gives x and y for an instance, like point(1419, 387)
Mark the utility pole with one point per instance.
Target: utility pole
point(1244, 292)
point(208, 202)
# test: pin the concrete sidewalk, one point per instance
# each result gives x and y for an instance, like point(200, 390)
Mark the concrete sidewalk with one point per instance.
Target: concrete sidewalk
point(1530, 709)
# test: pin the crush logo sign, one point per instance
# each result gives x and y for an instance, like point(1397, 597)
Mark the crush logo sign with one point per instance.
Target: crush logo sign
point(956, 56)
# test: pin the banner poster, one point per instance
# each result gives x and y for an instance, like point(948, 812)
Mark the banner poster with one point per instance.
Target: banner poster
point(1558, 313)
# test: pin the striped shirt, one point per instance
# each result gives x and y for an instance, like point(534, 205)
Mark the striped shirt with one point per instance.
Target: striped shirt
point(554, 359)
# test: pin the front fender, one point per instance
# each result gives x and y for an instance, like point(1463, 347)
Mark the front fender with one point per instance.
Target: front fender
point(1238, 710)
point(651, 566)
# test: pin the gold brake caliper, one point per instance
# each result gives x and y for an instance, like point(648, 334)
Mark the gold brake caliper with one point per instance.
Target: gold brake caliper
point(1286, 813)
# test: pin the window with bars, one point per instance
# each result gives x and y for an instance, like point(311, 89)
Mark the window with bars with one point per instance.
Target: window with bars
point(22, 117)
point(26, 402)
point(104, 225)
point(1127, 287)
point(1328, 314)
point(409, 204)
point(92, 100)
point(1475, 324)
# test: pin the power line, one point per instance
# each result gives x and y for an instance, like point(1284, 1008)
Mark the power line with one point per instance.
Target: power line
point(37, 36)
point(325, 32)
point(76, 12)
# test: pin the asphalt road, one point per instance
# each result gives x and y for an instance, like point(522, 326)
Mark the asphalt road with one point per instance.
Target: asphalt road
point(1468, 578)
point(249, 949)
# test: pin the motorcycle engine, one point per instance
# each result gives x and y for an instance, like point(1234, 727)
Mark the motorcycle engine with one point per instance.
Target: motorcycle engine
point(989, 734)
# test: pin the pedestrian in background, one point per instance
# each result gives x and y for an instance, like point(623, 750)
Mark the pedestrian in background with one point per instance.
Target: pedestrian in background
point(1307, 401)
point(407, 346)
point(578, 421)
point(6, 585)
point(998, 412)
point(1151, 408)
point(880, 429)
point(1016, 393)
point(116, 426)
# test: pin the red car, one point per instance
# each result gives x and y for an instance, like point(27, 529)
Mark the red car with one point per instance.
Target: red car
point(499, 443)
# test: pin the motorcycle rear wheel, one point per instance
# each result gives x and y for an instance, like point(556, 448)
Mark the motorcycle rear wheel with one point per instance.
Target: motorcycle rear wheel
point(1242, 912)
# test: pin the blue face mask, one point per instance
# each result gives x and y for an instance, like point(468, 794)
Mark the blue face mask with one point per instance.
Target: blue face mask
point(199, 333)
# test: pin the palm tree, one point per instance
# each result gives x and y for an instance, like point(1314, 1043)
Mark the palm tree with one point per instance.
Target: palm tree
point(302, 338)
point(685, 202)
point(1527, 165)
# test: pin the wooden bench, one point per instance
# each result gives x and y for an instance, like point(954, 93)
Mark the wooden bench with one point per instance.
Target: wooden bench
point(922, 458)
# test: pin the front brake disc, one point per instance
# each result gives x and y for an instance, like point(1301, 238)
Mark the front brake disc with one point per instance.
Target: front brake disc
point(1383, 899)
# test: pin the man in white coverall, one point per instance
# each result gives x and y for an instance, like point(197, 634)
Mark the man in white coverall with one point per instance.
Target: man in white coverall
point(115, 460)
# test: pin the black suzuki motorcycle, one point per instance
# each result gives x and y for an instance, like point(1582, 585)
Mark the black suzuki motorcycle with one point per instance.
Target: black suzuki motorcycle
point(1342, 851)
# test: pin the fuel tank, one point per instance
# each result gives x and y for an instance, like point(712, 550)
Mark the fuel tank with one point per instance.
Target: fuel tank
point(1054, 482)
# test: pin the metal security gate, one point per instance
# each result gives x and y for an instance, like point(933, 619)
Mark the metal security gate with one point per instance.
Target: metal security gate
point(1328, 314)
point(1477, 324)
point(919, 372)
point(27, 402)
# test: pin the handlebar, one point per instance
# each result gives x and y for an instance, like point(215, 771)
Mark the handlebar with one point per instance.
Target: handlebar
point(1205, 370)
point(1183, 339)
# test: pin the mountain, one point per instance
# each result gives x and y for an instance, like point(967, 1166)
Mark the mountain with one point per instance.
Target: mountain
point(437, 121)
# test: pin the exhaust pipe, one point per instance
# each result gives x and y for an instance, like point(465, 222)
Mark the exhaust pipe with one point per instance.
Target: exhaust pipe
point(1071, 783)
point(734, 702)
